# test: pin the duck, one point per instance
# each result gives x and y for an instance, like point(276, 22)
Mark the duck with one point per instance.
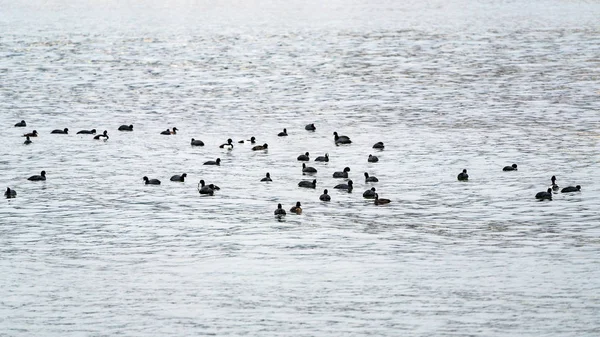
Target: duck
point(463, 176)
point(205, 189)
point(126, 128)
point(370, 179)
point(544, 195)
point(554, 186)
point(252, 140)
point(64, 131)
point(87, 132)
point(381, 201)
point(512, 167)
point(267, 177)
point(570, 189)
point(178, 177)
point(151, 181)
point(34, 133)
point(379, 145)
point(372, 159)
point(279, 211)
point(296, 209)
point(324, 158)
point(342, 174)
point(196, 142)
point(308, 184)
point(308, 169)
point(282, 133)
point(304, 157)
point(341, 139)
point(228, 145)
point(213, 162)
point(310, 127)
point(347, 186)
point(104, 134)
point(10, 193)
point(369, 194)
point(260, 147)
point(21, 124)
point(41, 177)
point(325, 196)
point(27, 141)
point(169, 132)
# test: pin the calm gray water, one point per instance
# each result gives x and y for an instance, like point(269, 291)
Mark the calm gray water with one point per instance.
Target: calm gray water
point(468, 84)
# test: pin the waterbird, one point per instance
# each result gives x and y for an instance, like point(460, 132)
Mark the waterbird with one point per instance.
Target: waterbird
point(151, 181)
point(463, 176)
point(296, 209)
point(87, 132)
point(64, 131)
point(197, 142)
point(512, 167)
point(342, 174)
point(126, 128)
point(341, 139)
point(372, 159)
point(569, 189)
point(370, 179)
point(213, 162)
point(279, 211)
point(40, 177)
point(21, 124)
point(304, 157)
point(282, 133)
point(267, 177)
point(381, 201)
point(544, 195)
point(10, 193)
point(324, 158)
point(379, 145)
point(308, 184)
point(325, 196)
point(347, 186)
point(178, 177)
point(310, 127)
point(104, 135)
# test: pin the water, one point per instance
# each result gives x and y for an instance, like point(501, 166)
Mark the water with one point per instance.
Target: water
point(472, 84)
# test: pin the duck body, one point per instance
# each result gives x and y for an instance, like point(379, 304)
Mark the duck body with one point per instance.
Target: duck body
point(10, 193)
point(205, 189)
point(381, 201)
point(279, 211)
point(33, 133)
point(103, 135)
point(178, 177)
point(151, 181)
point(570, 189)
point(369, 194)
point(308, 169)
point(228, 145)
point(87, 132)
point(341, 139)
point(379, 145)
point(267, 177)
point(342, 174)
point(324, 158)
point(325, 196)
point(512, 167)
point(308, 184)
point(41, 177)
point(27, 141)
point(126, 128)
point(372, 159)
point(283, 133)
point(296, 209)
point(196, 142)
point(252, 140)
point(213, 162)
point(260, 147)
point(348, 187)
point(304, 157)
point(64, 131)
point(310, 127)
point(168, 132)
point(463, 176)
point(21, 124)
point(544, 195)
point(370, 179)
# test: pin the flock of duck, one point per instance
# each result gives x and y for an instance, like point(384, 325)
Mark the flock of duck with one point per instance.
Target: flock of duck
point(209, 189)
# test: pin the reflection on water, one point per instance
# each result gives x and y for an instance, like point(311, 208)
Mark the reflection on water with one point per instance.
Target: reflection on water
point(94, 250)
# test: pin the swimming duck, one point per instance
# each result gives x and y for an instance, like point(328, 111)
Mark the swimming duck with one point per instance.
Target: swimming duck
point(325, 196)
point(341, 139)
point(170, 132)
point(205, 189)
point(283, 133)
point(151, 181)
point(372, 159)
point(370, 179)
point(310, 127)
point(296, 209)
point(27, 141)
point(104, 134)
point(554, 186)
point(34, 133)
point(342, 174)
point(569, 189)
point(178, 177)
point(304, 157)
point(10, 193)
point(347, 186)
point(381, 201)
point(260, 147)
point(513, 167)
point(87, 132)
point(378, 145)
point(308, 184)
point(64, 131)
point(279, 211)
point(544, 195)
point(213, 162)
point(369, 194)
point(126, 128)
point(463, 176)
point(197, 142)
point(267, 177)
point(252, 140)
point(228, 145)
point(21, 124)
point(308, 169)
point(41, 177)
point(324, 158)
